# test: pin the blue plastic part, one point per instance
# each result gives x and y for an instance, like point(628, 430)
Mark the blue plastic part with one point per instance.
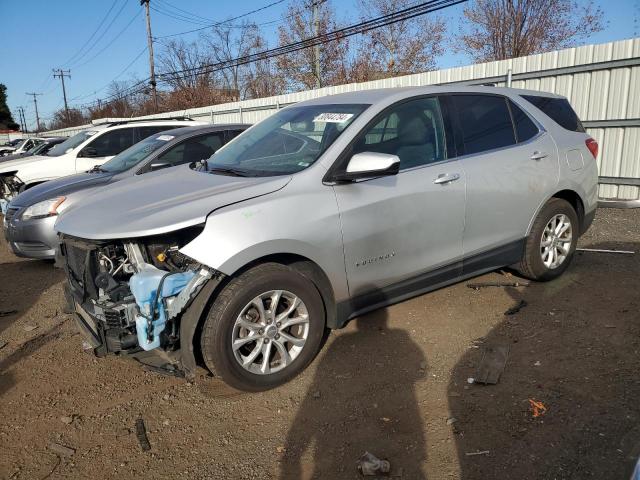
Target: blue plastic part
point(144, 285)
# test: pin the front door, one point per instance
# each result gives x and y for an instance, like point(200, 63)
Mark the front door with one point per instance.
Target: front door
point(403, 231)
point(103, 148)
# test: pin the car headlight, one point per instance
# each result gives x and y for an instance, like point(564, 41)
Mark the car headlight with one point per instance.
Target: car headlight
point(46, 208)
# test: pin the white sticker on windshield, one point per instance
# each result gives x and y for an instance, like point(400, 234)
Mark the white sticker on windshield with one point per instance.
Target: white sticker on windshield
point(90, 133)
point(165, 138)
point(333, 117)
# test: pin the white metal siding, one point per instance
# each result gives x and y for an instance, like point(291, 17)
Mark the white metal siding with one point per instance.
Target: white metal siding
point(597, 95)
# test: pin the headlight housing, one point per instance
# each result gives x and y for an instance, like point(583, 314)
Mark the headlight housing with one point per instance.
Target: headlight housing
point(46, 208)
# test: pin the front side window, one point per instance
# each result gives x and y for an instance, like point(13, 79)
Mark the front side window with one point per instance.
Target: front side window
point(71, 143)
point(132, 156)
point(485, 122)
point(191, 150)
point(287, 142)
point(112, 143)
point(414, 131)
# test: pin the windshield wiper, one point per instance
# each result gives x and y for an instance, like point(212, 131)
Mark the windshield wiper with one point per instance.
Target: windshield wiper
point(236, 172)
point(97, 169)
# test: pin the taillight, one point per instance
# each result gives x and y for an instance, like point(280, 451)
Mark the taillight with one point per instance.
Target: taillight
point(592, 145)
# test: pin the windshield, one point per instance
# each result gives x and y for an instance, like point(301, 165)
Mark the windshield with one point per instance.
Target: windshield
point(135, 154)
point(71, 143)
point(287, 142)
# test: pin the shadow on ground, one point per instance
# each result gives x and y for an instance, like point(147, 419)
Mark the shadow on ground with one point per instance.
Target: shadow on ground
point(591, 428)
point(350, 407)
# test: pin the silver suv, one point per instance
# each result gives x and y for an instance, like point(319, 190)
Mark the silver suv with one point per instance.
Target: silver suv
point(322, 212)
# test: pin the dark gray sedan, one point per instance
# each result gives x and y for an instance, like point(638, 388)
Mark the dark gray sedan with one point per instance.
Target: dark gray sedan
point(28, 223)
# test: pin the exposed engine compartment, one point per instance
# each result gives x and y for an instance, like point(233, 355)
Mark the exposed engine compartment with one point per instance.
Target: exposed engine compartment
point(130, 294)
point(10, 186)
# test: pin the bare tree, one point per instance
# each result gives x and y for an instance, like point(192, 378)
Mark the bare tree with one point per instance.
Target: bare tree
point(298, 67)
point(400, 48)
point(262, 78)
point(182, 69)
point(228, 42)
point(501, 29)
point(60, 119)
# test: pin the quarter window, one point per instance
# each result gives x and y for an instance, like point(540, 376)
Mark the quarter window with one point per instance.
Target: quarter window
point(485, 122)
point(559, 110)
point(525, 128)
point(413, 131)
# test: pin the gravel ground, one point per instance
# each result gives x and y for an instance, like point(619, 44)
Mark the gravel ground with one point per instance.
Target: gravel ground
point(393, 383)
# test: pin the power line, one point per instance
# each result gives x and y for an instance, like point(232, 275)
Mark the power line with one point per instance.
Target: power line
point(93, 34)
point(116, 37)
point(359, 28)
point(225, 21)
point(124, 70)
point(97, 40)
point(362, 27)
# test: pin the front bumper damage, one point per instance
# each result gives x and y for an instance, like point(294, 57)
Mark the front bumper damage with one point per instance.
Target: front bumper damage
point(137, 300)
point(10, 186)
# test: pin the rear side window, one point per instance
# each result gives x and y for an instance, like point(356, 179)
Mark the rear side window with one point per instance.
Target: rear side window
point(558, 109)
point(144, 132)
point(525, 128)
point(485, 122)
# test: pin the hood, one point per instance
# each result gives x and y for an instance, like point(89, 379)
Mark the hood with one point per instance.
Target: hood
point(159, 202)
point(12, 165)
point(59, 187)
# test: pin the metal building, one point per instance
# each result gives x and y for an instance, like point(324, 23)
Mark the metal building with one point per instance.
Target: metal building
point(602, 82)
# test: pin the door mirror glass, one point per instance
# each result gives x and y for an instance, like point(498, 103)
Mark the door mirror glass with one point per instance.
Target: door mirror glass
point(88, 152)
point(370, 165)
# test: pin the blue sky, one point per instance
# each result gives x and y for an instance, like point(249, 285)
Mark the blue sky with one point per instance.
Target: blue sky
point(43, 34)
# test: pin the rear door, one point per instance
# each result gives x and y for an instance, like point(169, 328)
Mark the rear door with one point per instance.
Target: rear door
point(511, 165)
point(398, 230)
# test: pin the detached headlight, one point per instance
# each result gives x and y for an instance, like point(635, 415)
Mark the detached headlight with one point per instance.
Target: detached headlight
point(46, 208)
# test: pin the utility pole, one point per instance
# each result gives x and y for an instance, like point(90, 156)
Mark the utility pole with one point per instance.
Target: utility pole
point(61, 74)
point(152, 75)
point(316, 48)
point(35, 104)
point(23, 123)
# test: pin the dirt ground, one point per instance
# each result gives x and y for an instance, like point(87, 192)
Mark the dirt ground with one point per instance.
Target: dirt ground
point(393, 383)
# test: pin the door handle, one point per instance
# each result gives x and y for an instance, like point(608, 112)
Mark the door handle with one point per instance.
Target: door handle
point(445, 178)
point(538, 155)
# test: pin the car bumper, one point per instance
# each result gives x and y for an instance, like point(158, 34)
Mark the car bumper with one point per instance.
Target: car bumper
point(34, 238)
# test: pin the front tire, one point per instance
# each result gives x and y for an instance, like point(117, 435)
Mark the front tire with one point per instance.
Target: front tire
point(550, 246)
point(264, 328)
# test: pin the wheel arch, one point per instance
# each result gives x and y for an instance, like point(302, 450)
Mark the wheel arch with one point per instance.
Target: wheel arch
point(569, 195)
point(193, 319)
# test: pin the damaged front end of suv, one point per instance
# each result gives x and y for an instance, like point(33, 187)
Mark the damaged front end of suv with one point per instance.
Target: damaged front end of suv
point(131, 297)
point(10, 187)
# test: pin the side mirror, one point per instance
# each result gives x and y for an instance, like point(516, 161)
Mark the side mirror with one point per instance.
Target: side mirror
point(159, 166)
point(88, 152)
point(369, 165)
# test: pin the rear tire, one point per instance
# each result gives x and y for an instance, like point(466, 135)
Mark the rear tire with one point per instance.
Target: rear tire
point(241, 328)
point(550, 246)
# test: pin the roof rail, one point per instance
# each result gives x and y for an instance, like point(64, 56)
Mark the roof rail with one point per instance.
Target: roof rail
point(123, 122)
